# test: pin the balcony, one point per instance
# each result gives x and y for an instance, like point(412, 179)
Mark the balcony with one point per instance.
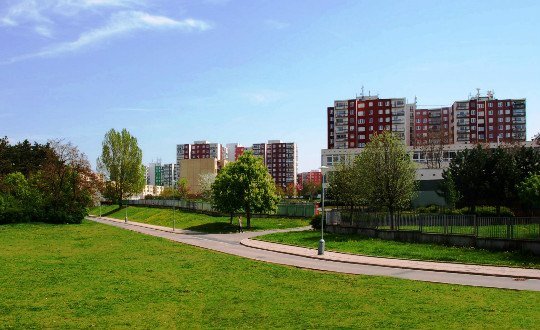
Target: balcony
point(462, 114)
point(398, 112)
point(398, 119)
point(435, 121)
point(518, 120)
point(518, 128)
point(434, 114)
point(518, 113)
point(463, 122)
point(463, 129)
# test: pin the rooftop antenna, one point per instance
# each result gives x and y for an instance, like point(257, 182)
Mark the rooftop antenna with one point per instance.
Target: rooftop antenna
point(478, 92)
point(362, 91)
point(415, 99)
point(369, 93)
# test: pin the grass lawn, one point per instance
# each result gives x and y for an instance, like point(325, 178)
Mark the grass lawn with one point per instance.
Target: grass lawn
point(377, 247)
point(199, 222)
point(93, 275)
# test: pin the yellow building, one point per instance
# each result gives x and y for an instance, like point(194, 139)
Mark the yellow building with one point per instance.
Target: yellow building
point(191, 170)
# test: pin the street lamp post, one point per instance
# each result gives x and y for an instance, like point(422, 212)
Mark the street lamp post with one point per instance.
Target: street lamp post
point(173, 218)
point(100, 208)
point(125, 220)
point(321, 242)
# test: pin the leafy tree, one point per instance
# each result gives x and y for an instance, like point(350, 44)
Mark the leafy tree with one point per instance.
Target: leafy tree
point(387, 173)
point(224, 197)
point(182, 188)
point(245, 185)
point(310, 189)
point(447, 190)
point(346, 185)
point(290, 190)
point(67, 183)
point(121, 163)
point(468, 174)
point(205, 182)
point(501, 171)
point(529, 191)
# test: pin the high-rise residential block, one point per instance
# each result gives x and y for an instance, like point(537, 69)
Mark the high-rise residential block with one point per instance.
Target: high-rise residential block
point(169, 175)
point(153, 176)
point(314, 176)
point(352, 122)
point(484, 119)
point(431, 125)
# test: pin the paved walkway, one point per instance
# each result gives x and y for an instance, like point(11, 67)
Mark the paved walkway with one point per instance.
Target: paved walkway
point(239, 244)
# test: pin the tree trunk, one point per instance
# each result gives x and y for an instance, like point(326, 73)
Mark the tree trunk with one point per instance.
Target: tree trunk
point(391, 210)
point(248, 217)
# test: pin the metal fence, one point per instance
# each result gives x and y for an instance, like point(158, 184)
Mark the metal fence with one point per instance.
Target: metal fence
point(290, 210)
point(527, 228)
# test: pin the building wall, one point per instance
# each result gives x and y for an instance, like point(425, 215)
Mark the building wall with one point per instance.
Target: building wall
point(281, 161)
point(486, 119)
point(169, 175)
point(191, 169)
point(314, 176)
point(352, 123)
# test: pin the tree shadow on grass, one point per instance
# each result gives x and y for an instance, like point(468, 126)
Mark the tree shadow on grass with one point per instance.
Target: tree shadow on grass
point(215, 228)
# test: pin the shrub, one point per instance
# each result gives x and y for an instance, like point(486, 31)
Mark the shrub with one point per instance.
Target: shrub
point(316, 221)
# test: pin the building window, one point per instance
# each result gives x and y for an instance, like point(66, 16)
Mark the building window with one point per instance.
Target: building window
point(361, 105)
point(370, 104)
point(380, 112)
point(360, 113)
point(473, 112)
point(361, 121)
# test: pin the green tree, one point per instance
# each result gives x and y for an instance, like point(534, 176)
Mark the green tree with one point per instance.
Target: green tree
point(310, 189)
point(447, 190)
point(246, 185)
point(345, 185)
point(468, 174)
point(387, 173)
point(529, 191)
point(224, 197)
point(182, 188)
point(121, 163)
point(502, 175)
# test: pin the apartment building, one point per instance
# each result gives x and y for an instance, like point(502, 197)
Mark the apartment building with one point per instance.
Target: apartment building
point(199, 150)
point(314, 176)
point(352, 122)
point(153, 176)
point(169, 175)
point(431, 125)
point(282, 161)
point(484, 119)
point(233, 151)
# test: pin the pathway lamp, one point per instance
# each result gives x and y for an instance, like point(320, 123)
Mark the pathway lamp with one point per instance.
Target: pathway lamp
point(321, 242)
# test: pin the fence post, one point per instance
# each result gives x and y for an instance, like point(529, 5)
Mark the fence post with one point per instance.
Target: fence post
point(445, 220)
point(508, 229)
point(420, 222)
point(475, 224)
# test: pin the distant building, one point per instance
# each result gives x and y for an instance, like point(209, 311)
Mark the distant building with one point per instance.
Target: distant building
point(352, 122)
point(428, 125)
point(314, 176)
point(148, 190)
point(192, 169)
point(153, 176)
point(169, 175)
point(234, 150)
point(484, 119)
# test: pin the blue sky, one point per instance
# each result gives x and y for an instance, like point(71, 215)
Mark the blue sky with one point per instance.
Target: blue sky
point(248, 71)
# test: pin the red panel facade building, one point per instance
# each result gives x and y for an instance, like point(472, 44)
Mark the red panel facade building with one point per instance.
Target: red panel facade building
point(352, 123)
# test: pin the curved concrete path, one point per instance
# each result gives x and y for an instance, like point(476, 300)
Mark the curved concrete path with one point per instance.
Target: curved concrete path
point(239, 244)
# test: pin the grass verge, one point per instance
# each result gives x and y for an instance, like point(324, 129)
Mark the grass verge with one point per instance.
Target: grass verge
point(93, 275)
point(199, 222)
point(382, 248)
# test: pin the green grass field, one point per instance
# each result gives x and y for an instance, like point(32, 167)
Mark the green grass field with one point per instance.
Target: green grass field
point(93, 275)
point(197, 221)
point(377, 247)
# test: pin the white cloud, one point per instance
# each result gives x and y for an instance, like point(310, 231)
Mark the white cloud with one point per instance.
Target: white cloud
point(119, 24)
point(276, 25)
point(263, 97)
